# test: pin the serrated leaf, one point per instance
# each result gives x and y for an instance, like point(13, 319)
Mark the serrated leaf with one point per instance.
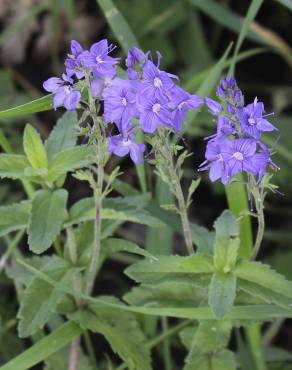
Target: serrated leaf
point(171, 268)
point(34, 148)
point(226, 242)
point(114, 245)
point(48, 212)
point(69, 160)
point(262, 275)
point(222, 293)
point(122, 332)
point(40, 299)
point(13, 166)
point(63, 135)
point(14, 217)
point(172, 294)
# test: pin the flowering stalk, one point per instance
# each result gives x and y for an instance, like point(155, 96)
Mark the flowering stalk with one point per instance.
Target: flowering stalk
point(170, 173)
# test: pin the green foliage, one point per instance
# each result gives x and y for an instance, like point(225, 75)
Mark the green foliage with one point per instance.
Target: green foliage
point(13, 166)
point(222, 292)
point(44, 347)
point(122, 332)
point(48, 212)
point(34, 148)
point(63, 135)
point(14, 217)
point(40, 299)
point(69, 160)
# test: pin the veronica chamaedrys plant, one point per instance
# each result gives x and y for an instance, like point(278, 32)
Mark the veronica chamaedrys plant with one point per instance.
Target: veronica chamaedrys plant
point(237, 147)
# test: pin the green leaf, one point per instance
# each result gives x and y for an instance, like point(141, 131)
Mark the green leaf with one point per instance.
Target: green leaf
point(122, 332)
point(34, 148)
point(14, 217)
point(118, 24)
point(44, 348)
point(46, 219)
point(221, 360)
point(13, 166)
point(60, 360)
point(69, 160)
point(263, 276)
point(38, 105)
point(84, 210)
point(172, 294)
point(63, 135)
point(171, 268)
point(114, 245)
point(226, 242)
point(40, 299)
point(222, 293)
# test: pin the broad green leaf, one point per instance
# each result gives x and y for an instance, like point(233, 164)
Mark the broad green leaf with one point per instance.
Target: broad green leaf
point(44, 348)
point(118, 24)
point(222, 293)
point(38, 105)
point(171, 268)
point(14, 217)
point(226, 242)
point(40, 299)
point(46, 219)
point(246, 312)
point(172, 294)
point(69, 160)
point(266, 295)
point(63, 135)
point(34, 148)
point(84, 210)
point(263, 276)
point(122, 332)
point(221, 360)
point(13, 166)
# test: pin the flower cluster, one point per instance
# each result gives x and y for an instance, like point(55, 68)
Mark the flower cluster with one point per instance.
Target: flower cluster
point(236, 146)
point(145, 96)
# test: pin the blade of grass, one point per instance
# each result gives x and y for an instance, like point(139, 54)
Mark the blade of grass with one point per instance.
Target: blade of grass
point(250, 16)
point(118, 24)
point(44, 348)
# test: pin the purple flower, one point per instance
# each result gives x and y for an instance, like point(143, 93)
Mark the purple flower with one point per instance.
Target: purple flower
point(64, 94)
point(154, 112)
point(238, 155)
point(120, 103)
point(98, 59)
point(123, 144)
point(155, 81)
point(215, 161)
point(135, 61)
point(225, 126)
point(213, 106)
point(180, 102)
point(252, 121)
point(73, 63)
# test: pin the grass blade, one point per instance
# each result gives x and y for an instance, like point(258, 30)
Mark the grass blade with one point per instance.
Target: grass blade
point(44, 348)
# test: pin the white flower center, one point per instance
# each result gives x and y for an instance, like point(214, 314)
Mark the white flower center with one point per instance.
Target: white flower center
point(98, 59)
point(157, 82)
point(67, 89)
point(156, 108)
point(124, 101)
point(127, 142)
point(238, 156)
point(251, 121)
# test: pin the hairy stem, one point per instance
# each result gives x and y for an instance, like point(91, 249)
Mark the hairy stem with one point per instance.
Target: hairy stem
point(166, 153)
point(73, 359)
point(259, 204)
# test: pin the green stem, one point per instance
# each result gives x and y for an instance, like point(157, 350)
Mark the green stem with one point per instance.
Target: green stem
point(259, 204)
point(255, 343)
point(72, 245)
point(90, 349)
point(166, 153)
point(166, 345)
